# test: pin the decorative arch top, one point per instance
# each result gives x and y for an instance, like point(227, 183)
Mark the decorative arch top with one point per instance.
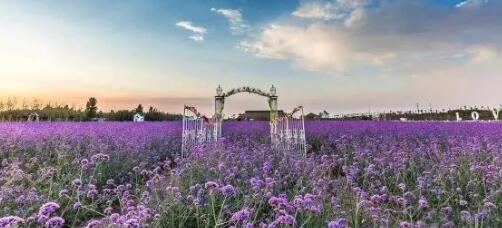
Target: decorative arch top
point(247, 89)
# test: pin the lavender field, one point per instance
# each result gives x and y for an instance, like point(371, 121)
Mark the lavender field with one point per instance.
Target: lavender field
point(356, 174)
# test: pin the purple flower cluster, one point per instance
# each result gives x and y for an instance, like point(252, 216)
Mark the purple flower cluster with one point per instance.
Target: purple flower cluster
point(10, 221)
point(367, 174)
point(241, 215)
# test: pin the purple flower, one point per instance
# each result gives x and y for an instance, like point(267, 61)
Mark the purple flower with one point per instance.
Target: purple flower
point(466, 216)
point(84, 163)
point(10, 221)
point(228, 190)
point(211, 185)
point(276, 201)
point(446, 209)
point(256, 183)
point(132, 223)
point(339, 223)
point(77, 205)
point(94, 224)
point(108, 210)
point(267, 167)
point(286, 219)
point(48, 208)
point(241, 215)
point(489, 205)
point(423, 203)
point(149, 183)
point(114, 217)
point(55, 222)
point(404, 224)
point(77, 183)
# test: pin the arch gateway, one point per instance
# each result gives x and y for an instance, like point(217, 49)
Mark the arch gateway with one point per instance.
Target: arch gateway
point(286, 131)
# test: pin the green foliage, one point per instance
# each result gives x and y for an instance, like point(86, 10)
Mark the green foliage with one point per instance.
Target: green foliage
point(91, 108)
point(11, 111)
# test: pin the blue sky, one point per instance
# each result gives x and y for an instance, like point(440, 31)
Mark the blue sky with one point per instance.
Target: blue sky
point(337, 55)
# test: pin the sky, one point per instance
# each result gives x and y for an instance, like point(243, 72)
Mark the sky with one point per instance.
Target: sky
point(343, 56)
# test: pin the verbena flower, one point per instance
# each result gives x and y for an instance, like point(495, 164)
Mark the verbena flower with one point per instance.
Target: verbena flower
point(286, 219)
point(77, 183)
point(55, 222)
point(228, 190)
point(77, 205)
point(211, 185)
point(48, 208)
point(339, 223)
point(241, 215)
point(405, 224)
point(10, 221)
point(423, 203)
point(466, 216)
point(94, 224)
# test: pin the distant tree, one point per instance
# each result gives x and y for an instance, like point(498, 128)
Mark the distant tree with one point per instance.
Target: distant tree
point(91, 108)
point(311, 116)
point(35, 104)
point(11, 103)
point(324, 114)
point(139, 109)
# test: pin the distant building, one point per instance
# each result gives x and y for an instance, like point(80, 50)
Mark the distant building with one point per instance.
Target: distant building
point(138, 118)
point(257, 115)
point(99, 119)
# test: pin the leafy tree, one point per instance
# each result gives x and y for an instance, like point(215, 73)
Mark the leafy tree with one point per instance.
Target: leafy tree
point(91, 108)
point(139, 109)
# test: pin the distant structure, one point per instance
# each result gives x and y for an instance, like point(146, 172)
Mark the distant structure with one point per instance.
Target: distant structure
point(99, 119)
point(33, 117)
point(257, 115)
point(138, 118)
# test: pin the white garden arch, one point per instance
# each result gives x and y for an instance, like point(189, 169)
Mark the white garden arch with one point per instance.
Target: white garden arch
point(286, 131)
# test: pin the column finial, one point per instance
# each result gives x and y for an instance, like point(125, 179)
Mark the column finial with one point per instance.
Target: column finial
point(219, 91)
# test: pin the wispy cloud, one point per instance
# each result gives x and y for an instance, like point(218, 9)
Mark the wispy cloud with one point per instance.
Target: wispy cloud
point(328, 10)
point(198, 31)
point(234, 17)
point(471, 3)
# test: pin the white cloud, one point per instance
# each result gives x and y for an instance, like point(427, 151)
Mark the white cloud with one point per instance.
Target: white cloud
point(237, 24)
point(315, 47)
point(471, 3)
point(328, 10)
point(316, 10)
point(198, 32)
point(481, 54)
point(356, 18)
point(397, 37)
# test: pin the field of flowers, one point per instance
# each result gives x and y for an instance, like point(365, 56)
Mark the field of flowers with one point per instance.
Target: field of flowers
point(356, 174)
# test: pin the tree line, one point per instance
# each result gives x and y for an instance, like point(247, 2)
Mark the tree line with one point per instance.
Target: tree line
point(13, 110)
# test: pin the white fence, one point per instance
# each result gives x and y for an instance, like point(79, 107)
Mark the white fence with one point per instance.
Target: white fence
point(287, 132)
point(290, 131)
point(197, 129)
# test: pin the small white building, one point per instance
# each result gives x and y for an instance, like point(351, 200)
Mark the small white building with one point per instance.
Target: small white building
point(33, 117)
point(138, 118)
